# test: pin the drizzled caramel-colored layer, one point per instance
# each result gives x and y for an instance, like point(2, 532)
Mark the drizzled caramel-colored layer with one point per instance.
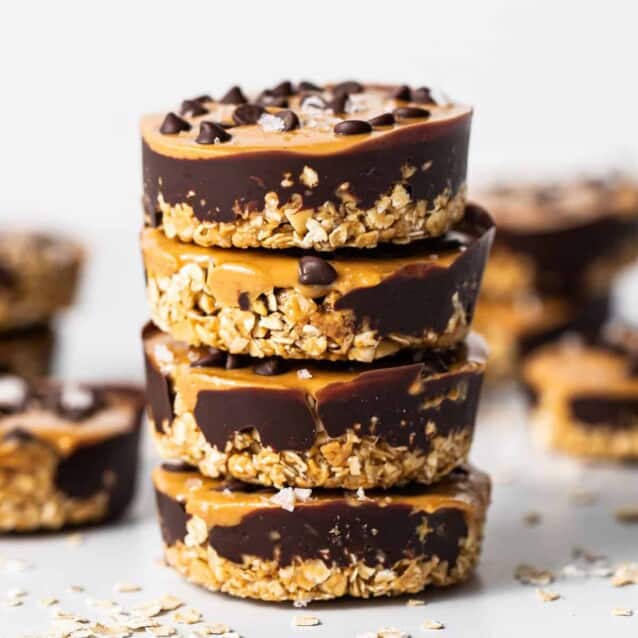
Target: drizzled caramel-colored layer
point(256, 272)
point(207, 499)
point(118, 416)
point(315, 135)
point(174, 358)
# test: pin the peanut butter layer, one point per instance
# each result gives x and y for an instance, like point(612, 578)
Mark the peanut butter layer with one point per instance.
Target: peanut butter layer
point(38, 277)
point(277, 422)
point(316, 169)
point(567, 238)
point(304, 545)
point(300, 305)
point(585, 394)
point(68, 452)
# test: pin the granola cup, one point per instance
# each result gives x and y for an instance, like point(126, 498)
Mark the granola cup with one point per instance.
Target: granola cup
point(584, 395)
point(272, 422)
point(302, 306)
point(284, 174)
point(38, 277)
point(302, 546)
point(68, 454)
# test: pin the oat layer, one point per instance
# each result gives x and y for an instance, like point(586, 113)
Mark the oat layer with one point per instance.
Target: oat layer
point(395, 217)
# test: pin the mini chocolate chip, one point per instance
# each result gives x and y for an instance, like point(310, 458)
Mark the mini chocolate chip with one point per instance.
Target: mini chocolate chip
point(174, 124)
point(234, 95)
point(211, 358)
point(192, 108)
point(270, 367)
point(315, 271)
point(244, 301)
point(212, 133)
point(203, 98)
point(234, 361)
point(348, 87)
point(422, 95)
point(385, 119)
point(248, 114)
point(290, 120)
point(304, 85)
point(268, 98)
point(402, 93)
point(178, 466)
point(283, 89)
point(314, 101)
point(410, 113)
point(338, 103)
point(352, 127)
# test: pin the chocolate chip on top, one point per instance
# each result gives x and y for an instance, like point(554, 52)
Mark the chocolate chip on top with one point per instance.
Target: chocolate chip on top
point(289, 119)
point(403, 93)
point(270, 367)
point(283, 89)
point(210, 358)
point(352, 127)
point(247, 114)
point(385, 119)
point(422, 95)
point(348, 87)
point(339, 102)
point(193, 108)
point(268, 98)
point(235, 361)
point(212, 133)
point(315, 271)
point(174, 124)
point(410, 113)
point(304, 85)
point(234, 95)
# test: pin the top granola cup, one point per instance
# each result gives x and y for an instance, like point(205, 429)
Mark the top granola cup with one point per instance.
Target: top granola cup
point(38, 277)
point(298, 305)
point(311, 167)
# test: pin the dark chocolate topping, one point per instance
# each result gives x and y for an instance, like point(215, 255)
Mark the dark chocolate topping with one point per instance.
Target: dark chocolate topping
point(385, 119)
point(174, 124)
point(193, 108)
point(283, 89)
point(235, 361)
point(371, 169)
point(248, 114)
point(410, 113)
point(402, 93)
point(234, 95)
point(159, 395)
point(352, 127)
point(337, 531)
point(315, 271)
point(270, 367)
point(268, 98)
point(212, 133)
point(290, 120)
point(178, 466)
point(347, 87)
point(338, 103)
point(597, 410)
point(308, 86)
point(210, 358)
point(8, 279)
point(422, 95)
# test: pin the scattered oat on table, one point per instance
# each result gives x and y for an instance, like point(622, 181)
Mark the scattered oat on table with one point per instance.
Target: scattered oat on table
point(531, 519)
point(625, 574)
point(627, 514)
point(530, 575)
point(622, 611)
point(547, 596)
point(126, 588)
point(188, 616)
point(305, 621)
point(415, 602)
point(432, 624)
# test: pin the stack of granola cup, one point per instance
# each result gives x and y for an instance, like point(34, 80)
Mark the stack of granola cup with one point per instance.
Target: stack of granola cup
point(312, 269)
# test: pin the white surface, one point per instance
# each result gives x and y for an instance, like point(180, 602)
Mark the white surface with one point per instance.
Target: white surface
point(493, 604)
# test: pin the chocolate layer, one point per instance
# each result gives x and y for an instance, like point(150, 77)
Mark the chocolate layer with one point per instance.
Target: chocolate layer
point(335, 531)
point(226, 184)
point(562, 256)
point(393, 399)
point(418, 297)
point(172, 518)
point(598, 410)
point(159, 396)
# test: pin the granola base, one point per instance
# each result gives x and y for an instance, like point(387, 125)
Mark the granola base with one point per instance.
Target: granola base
point(286, 324)
point(554, 429)
point(307, 580)
point(30, 500)
point(394, 218)
point(349, 461)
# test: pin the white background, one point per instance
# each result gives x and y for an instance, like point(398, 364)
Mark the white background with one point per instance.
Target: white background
point(555, 90)
point(553, 82)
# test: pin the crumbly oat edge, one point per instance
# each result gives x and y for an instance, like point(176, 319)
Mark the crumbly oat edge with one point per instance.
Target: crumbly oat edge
point(29, 498)
point(393, 218)
point(555, 429)
point(307, 580)
point(283, 323)
point(350, 461)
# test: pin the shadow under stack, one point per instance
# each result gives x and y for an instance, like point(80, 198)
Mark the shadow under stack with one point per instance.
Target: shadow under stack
point(312, 269)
